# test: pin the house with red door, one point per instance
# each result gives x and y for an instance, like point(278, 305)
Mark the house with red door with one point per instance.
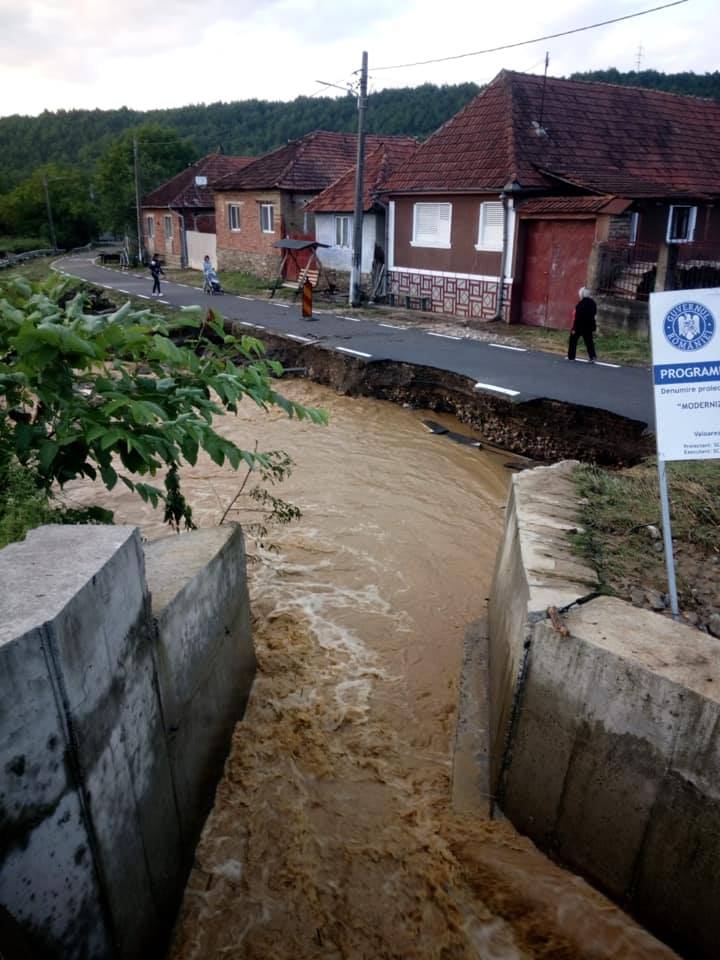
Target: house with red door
point(334, 213)
point(268, 199)
point(541, 185)
point(178, 217)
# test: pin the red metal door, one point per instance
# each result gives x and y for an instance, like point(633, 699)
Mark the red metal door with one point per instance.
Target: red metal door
point(299, 259)
point(555, 267)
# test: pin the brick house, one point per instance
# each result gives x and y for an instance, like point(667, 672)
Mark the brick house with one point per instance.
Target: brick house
point(178, 217)
point(334, 212)
point(552, 184)
point(266, 201)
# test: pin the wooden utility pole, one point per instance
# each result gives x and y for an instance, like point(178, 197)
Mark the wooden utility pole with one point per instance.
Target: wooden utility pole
point(53, 241)
point(359, 177)
point(136, 167)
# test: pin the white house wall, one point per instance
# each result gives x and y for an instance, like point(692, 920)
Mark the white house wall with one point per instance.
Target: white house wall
point(339, 258)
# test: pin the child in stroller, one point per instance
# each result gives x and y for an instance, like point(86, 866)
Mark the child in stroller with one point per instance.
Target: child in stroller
point(211, 284)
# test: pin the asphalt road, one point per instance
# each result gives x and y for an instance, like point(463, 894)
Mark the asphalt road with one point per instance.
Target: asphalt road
point(498, 369)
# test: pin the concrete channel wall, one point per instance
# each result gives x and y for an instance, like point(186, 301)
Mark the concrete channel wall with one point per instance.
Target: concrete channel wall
point(109, 756)
point(605, 747)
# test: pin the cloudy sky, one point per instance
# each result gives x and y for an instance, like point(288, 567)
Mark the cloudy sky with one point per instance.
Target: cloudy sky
point(95, 53)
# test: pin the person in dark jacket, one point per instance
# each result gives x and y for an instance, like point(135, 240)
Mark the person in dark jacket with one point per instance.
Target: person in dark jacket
point(584, 325)
point(156, 270)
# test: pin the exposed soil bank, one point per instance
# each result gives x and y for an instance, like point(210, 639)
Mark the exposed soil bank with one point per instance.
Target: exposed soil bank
point(542, 429)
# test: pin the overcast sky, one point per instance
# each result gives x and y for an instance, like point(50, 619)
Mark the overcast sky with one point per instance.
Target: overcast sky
point(63, 54)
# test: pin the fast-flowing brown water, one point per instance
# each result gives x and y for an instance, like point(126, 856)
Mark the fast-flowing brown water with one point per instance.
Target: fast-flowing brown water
point(332, 834)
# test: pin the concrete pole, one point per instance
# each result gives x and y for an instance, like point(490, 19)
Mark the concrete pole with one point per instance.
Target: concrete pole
point(136, 168)
point(53, 241)
point(356, 269)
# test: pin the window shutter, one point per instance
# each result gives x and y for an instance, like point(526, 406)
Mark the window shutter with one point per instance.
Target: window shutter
point(432, 224)
point(491, 226)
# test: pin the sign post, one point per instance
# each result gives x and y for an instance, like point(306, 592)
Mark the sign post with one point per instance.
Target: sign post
point(686, 386)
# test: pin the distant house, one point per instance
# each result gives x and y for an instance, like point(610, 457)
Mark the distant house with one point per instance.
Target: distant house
point(267, 200)
point(555, 184)
point(178, 217)
point(334, 212)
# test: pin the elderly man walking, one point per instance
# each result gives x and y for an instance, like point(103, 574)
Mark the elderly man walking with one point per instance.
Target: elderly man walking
point(584, 325)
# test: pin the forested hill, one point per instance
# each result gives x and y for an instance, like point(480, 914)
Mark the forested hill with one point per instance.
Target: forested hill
point(244, 128)
point(688, 83)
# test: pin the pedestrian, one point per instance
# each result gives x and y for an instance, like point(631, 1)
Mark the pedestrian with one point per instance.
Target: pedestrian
point(156, 270)
point(584, 325)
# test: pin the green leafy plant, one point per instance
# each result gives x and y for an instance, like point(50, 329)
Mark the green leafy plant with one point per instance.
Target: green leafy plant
point(114, 396)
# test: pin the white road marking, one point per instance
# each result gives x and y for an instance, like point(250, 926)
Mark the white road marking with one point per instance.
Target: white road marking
point(392, 326)
point(357, 353)
point(284, 306)
point(244, 298)
point(445, 336)
point(599, 363)
point(258, 326)
point(296, 336)
point(505, 346)
point(124, 291)
point(354, 319)
point(143, 296)
point(166, 302)
point(491, 386)
point(246, 323)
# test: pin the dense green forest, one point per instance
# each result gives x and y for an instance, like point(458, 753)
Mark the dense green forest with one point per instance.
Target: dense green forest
point(82, 159)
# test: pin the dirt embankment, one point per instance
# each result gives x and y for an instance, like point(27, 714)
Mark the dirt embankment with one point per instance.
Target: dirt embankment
point(544, 430)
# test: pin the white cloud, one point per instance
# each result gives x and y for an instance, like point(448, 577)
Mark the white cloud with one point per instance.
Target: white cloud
point(79, 53)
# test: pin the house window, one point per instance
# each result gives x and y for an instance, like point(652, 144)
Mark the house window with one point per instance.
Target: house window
point(634, 224)
point(431, 225)
point(267, 217)
point(150, 227)
point(168, 227)
point(681, 224)
point(233, 216)
point(490, 230)
point(342, 231)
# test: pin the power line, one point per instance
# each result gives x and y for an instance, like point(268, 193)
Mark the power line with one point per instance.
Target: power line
point(524, 43)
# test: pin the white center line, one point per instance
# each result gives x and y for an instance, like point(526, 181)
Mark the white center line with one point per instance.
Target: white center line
point(354, 319)
point(244, 298)
point(246, 323)
point(491, 386)
point(505, 346)
point(285, 306)
point(599, 363)
point(143, 296)
point(357, 353)
point(296, 336)
point(124, 291)
point(445, 336)
point(166, 302)
point(392, 326)
point(258, 326)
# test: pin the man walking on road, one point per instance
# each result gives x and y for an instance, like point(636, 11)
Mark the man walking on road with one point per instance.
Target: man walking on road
point(584, 325)
point(156, 270)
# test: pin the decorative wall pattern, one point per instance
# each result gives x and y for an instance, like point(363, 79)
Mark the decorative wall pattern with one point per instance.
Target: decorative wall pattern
point(459, 297)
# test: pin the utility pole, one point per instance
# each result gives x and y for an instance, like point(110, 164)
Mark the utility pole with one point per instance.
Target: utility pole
point(136, 166)
point(355, 271)
point(53, 241)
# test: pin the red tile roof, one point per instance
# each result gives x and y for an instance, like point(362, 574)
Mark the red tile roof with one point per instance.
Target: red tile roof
point(380, 164)
point(182, 191)
point(310, 163)
point(589, 205)
point(604, 138)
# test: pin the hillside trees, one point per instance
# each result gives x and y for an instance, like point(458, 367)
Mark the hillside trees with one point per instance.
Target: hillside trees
point(162, 153)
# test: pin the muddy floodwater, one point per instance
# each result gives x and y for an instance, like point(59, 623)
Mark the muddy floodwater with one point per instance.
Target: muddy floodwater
point(332, 834)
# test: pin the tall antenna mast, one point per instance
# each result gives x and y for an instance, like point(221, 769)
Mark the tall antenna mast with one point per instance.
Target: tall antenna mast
point(638, 58)
point(542, 96)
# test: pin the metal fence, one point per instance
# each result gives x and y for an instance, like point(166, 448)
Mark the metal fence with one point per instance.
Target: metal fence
point(629, 270)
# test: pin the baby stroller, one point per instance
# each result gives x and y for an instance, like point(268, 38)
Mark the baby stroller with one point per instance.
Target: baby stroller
point(211, 284)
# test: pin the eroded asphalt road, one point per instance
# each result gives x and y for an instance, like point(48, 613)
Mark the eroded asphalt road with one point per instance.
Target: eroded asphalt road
point(498, 369)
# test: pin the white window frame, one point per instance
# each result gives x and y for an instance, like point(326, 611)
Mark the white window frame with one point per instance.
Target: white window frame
point(342, 221)
point(692, 219)
point(441, 244)
point(634, 227)
point(234, 214)
point(271, 208)
point(150, 226)
point(482, 223)
point(168, 226)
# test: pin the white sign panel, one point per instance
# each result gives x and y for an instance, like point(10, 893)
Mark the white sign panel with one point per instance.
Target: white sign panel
point(685, 336)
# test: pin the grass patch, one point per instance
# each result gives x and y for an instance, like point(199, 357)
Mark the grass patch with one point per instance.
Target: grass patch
point(36, 269)
point(233, 281)
point(613, 347)
point(618, 507)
